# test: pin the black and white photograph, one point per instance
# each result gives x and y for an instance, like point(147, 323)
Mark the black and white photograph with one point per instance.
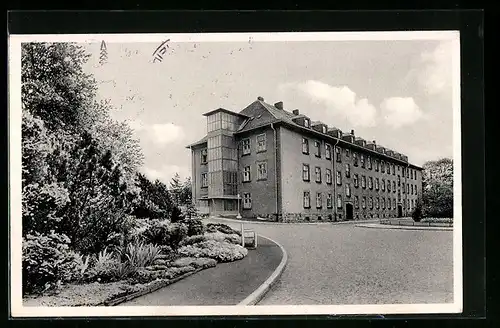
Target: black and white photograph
point(184, 174)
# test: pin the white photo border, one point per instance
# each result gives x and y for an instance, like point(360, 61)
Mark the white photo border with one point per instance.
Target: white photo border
point(15, 114)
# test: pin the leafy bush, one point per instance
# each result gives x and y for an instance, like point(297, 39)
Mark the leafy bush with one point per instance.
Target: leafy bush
point(219, 236)
point(47, 262)
point(105, 268)
point(192, 240)
point(199, 262)
point(139, 255)
point(438, 220)
point(220, 251)
point(142, 276)
point(164, 233)
point(195, 226)
point(416, 214)
point(221, 227)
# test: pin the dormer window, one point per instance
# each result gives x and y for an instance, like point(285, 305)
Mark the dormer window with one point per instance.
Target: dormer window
point(307, 123)
point(323, 129)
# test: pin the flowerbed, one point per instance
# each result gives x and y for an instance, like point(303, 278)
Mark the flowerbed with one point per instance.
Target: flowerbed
point(155, 253)
point(438, 220)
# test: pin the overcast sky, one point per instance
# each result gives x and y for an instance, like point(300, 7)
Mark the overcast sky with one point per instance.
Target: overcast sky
point(395, 92)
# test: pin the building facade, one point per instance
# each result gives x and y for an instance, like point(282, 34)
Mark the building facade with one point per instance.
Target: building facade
point(268, 162)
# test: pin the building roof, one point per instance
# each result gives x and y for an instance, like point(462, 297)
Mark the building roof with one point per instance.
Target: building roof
point(199, 142)
point(226, 111)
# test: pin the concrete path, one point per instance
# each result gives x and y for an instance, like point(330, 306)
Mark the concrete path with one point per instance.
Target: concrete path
point(343, 264)
point(225, 284)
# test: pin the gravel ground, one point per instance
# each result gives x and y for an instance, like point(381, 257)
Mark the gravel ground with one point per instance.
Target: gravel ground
point(344, 264)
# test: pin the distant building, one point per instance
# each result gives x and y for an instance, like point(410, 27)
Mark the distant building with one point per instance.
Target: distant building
point(286, 167)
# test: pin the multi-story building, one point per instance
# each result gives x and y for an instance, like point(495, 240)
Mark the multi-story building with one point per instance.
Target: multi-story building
point(269, 162)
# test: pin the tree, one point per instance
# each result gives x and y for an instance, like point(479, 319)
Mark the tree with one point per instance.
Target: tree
point(176, 189)
point(437, 182)
point(186, 195)
point(154, 199)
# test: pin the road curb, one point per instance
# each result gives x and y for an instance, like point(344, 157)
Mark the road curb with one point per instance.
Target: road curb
point(401, 227)
point(259, 293)
point(291, 223)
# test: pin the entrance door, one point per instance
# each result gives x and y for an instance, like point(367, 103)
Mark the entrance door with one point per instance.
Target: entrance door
point(400, 211)
point(348, 212)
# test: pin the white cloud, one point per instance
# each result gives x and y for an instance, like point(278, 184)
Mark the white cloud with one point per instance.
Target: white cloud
point(435, 73)
point(340, 101)
point(398, 111)
point(165, 133)
point(167, 172)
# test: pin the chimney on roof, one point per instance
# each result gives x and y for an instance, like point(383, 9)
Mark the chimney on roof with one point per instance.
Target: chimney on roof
point(295, 112)
point(352, 132)
point(279, 105)
point(260, 98)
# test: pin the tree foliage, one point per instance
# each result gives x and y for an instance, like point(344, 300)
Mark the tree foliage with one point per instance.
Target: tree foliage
point(437, 196)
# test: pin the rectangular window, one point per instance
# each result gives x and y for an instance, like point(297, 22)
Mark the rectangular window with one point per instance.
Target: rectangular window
point(305, 146)
point(329, 203)
point(363, 181)
point(403, 187)
point(383, 185)
point(377, 205)
point(388, 186)
point(388, 203)
point(393, 170)
point(338, 154)
point(319, 200)
point(356, 180)
point(377, 184)
point(394, 203)
point(348, 190)
point(370, 182)
point(369, 163)
point(204, 180)
point(247, 200)
point(356, 201)
point(362, 158)
point(339, 178)
point(355, 158)
point(317, 145)
point(388, 168)
point(363, 202)
point(407, 188)
point(393, 186)
point(261, 170)
point(412, 189)
point(348, 170)
point(305, 172)
point(399, 181)
point(246, 146)
point(382, 166)
point(376, 165)
point(307, 199)
point(261, 143)
point(318, 174)
point(328, 151)
point(347, 153)
point(204, 156)
point(370, 203)
point(328, 176)
point(383, 203)
point(246, 174)
point(339, 201)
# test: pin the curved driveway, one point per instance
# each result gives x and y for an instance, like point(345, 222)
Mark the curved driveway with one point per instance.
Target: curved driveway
point(343, 264)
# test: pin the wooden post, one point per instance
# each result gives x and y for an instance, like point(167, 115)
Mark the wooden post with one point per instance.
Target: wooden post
point(242, 236)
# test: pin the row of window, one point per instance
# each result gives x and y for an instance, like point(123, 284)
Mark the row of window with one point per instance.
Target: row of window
point(408, 188)
point(372, 202)
point(261, 144)
point(379, 165)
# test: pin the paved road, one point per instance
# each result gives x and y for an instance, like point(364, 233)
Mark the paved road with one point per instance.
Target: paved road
point(344, 264)
point(225, 284)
